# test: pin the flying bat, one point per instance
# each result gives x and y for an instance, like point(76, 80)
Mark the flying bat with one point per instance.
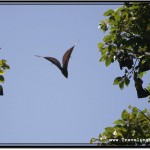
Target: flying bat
point(64, 67)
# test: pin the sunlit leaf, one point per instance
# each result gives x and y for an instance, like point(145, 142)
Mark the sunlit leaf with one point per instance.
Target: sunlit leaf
point(148, 87)
point(117, 17)
point(104, 50)
point(108, 12)
point(135, 110)
point(118, 9)
point(103, 58)
point(108, 61)
point(100, 45)
point(93, 140)
point(141, 74)
point(117, 80)
point(134, 7)
point(103, 25)
point(125, 115)
point(107, 38)
point(119, 121)
point(109, 129)
point(2, 71)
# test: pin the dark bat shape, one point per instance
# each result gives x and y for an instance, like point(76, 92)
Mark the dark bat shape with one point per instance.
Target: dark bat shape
point(141, 92)
point(65, 60)
point(1, 90)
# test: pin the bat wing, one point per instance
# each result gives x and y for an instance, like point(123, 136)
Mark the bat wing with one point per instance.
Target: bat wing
point(53, 60)
point(66, 57)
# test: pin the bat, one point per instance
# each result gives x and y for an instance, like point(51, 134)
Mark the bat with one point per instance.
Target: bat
point(1, 90)
point(65, 60)
point(141, 92)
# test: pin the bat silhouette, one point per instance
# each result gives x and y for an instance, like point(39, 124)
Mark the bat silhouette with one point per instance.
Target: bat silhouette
point(64, 67)
point(141, 92)
point(1, 90)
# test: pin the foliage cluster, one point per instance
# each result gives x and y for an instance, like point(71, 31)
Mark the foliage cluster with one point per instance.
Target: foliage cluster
point(132, 129)
point(3, 67)
point(128, 42)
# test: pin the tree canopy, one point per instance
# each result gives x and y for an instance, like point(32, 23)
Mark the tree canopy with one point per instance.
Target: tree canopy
point(128, 42)
point(132, 129)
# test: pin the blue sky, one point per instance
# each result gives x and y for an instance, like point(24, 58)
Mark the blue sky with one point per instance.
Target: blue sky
point(39, 104)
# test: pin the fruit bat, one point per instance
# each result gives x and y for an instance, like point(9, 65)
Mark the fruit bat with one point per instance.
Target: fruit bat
point(65, 60)
point(1, 90)
point(141, 92)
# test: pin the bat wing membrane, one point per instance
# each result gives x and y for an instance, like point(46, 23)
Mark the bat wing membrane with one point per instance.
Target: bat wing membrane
point(54, 61)
point(66, 57)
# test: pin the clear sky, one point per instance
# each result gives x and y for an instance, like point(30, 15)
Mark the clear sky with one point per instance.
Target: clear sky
point(39, 103)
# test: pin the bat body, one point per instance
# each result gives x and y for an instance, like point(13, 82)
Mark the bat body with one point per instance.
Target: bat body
point(1, 90)
point(64, 67)
point(141, 92)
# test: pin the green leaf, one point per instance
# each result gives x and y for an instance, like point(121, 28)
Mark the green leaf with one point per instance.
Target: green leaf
point(93, 140)
point(127, 81)
point(104, 50)
point(119, 122)
point(144, 111)
point(108, 61)
point(117, 17)
point(109, 129)
point(132, 116)
point(148, 87)
point(130, 107)
point(5, 66)
point(103, 25)
point(113, 30)
point(125, 115)
point(2, 71)
point(103, 58)
point(109, 12)
point(117, 80)
point(2, 79)
point(123, 128)
point(134, 7)
point(121, 85)
point(100, 45)
point(118, 9)
point(135, 110)
point(107, 38)
point(1, 62)
point(127, 17)
point(141, 74)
